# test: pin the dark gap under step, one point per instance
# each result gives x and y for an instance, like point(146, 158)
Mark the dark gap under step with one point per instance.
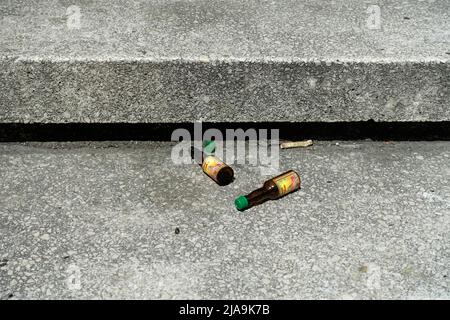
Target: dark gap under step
point(15, 132)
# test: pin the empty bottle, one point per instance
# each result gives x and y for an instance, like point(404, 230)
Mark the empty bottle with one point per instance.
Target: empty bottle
point(215, 168)
point(272, 189)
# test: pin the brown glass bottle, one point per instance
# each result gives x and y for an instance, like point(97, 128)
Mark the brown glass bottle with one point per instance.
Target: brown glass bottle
point(272, 189)
point(216, 169)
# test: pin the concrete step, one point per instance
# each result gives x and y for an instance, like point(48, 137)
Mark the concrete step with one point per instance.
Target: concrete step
point(97, 220)
point(228, 61)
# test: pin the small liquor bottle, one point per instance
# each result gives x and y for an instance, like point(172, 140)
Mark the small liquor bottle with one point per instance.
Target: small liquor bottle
point(272, 189)
point(216, 169)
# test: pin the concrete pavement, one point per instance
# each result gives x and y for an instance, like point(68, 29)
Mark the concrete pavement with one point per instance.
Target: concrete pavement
point(97, 220)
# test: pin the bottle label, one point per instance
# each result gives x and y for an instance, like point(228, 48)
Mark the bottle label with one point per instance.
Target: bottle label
point(287, 182)
point(212, 165)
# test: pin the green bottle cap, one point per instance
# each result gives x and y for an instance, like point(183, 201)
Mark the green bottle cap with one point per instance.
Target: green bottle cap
point(209, 146)
point(241, 203)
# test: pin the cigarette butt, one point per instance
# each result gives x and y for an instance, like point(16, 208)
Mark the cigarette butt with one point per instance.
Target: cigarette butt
point(296, 144)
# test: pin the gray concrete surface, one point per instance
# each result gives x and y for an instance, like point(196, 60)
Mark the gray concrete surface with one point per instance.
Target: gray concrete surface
point(98, 220)
point(177, 61)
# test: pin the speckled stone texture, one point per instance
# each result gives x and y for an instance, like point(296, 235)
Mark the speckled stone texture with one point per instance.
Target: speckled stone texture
point(179, 61)
point(98, 220)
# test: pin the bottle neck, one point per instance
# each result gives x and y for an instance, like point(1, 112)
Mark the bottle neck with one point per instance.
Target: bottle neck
point(259, 196)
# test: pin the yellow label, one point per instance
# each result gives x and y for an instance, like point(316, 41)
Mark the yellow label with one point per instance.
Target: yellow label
point(212, 165)
point(287, 182)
